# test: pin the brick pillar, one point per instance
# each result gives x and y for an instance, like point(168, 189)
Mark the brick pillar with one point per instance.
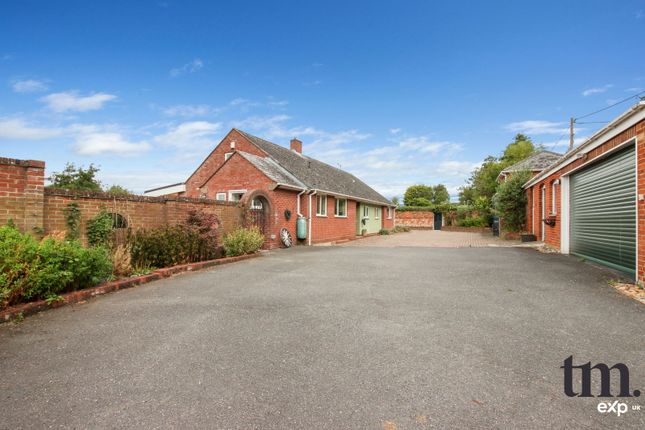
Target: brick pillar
point(22, 198)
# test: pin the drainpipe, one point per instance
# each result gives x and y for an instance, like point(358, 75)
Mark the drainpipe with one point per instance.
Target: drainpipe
point(298, 202)
point(310, 216)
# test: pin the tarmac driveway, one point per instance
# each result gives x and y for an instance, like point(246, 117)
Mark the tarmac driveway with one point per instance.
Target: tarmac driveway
point(433, 239)
point(331, 338)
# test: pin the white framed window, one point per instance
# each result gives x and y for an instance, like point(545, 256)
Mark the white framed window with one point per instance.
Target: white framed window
point(256, 204)
point(377, 213)
point(227, 155)
point(235, 195)
point(366, 212)
point(321, 205)
point(554, 193)
point(220, 196)
point(389, 212)
point(341, 208)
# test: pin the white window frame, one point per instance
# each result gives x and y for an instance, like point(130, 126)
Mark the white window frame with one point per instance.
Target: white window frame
point(554, 206)
point(366, 212)
point(231, 192)
point(227, 155)
point(320, 198)
point(220, 197)
point(336, 211)
point(377, 212)
point(389, 212)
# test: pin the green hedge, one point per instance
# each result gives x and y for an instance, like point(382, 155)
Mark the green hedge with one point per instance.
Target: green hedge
point(32, 270)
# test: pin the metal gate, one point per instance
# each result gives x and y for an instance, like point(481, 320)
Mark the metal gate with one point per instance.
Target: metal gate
point(257, 214)
point(438, 220)
point(603, 212)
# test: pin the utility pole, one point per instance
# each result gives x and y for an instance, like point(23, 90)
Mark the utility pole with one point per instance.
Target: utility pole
point(571, 133)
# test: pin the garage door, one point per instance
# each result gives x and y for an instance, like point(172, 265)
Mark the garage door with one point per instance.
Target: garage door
point(603, 212)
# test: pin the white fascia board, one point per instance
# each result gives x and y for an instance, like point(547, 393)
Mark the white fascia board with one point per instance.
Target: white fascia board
point(170, 189)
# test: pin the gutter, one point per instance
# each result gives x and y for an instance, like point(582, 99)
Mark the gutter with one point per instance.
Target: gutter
point(298, 202)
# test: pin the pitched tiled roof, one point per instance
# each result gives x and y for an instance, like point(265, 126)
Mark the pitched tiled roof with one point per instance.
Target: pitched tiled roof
point(536, 162)
point(315, 174)
point(272, 169)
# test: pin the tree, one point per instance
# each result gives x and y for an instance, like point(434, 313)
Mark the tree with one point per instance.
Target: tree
point(510, 201)
point(521, 148)
point(118, 190)
point(73, 178)
point(395, 200)
point(466, 195)
point(440, 194)
point(417, 194)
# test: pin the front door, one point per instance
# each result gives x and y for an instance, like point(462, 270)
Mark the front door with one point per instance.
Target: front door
point(438, 220)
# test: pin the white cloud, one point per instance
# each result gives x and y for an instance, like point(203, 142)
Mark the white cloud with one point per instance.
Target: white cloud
point(456, 168)
point(190, 67)
point(28, 86)
point(191, 134)
point(537, 127)
point(424, 145)
point(190, 110)
point(72, 101)
point(106, 142)
point(19, 129)
point(395, 130)
point(634, 90)
point(560, 144)
point(597, 90)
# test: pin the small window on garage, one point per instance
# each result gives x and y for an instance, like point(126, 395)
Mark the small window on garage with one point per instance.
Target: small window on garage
point(341, 208)
point(235, 195)
point(220, 196)
point(377, 213)
point(389, 212)
point(321, 205)
point(366, 211)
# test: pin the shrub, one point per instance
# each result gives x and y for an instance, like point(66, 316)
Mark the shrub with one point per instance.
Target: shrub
point(510, 201)
point(99, 228)
point(30, 270)
point(474, 221)
point(243, 241)
point(401, 229)
point(384, 232)
point(121, 261)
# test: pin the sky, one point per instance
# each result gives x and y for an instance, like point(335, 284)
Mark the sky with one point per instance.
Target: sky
point(396, 92)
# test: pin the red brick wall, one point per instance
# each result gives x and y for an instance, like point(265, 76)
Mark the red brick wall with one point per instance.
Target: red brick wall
point(332, 228)
point(35, 209)
point(388, 223)
point(552, 234)
point(21, 193)
point(139, 211)
point(215, 159)
point(418, 219)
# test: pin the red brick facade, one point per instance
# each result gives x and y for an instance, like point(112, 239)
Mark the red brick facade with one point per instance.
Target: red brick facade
point(218, 174)
point(416, 219)
point(553, 234)
point(34, 209)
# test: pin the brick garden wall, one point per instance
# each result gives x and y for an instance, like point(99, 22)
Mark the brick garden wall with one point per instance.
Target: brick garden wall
point(34, 209)
point(415, 219)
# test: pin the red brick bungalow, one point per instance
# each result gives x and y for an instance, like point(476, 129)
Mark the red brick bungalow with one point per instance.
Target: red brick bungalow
point(591, 203)
point(279, 185)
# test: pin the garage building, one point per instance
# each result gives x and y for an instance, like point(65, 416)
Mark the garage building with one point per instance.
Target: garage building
point(588, 203)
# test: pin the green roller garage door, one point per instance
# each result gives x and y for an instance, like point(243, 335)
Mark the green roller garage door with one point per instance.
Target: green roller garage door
point(603, 212)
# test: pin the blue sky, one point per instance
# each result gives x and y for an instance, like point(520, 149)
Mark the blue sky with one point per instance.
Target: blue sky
point(395, 92)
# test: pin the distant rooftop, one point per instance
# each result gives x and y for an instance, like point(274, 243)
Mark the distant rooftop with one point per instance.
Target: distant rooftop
point(535, 163)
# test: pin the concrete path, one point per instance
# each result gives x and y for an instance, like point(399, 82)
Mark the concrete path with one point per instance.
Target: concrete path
point(331, 338)
point(433, 239)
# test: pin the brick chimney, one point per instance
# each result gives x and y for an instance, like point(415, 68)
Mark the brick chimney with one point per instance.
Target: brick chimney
point(296, 145)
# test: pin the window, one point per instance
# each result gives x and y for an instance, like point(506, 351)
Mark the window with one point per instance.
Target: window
point(554, 192)
point(220, 196)
point(389, 212)
point(227, 155)
point(235, 195)
point(341, 208)
point(366, 211)
point(377, 213)
point(321, 205)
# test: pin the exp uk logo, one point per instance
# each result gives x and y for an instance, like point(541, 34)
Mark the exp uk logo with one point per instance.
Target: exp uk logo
point(605, 372)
